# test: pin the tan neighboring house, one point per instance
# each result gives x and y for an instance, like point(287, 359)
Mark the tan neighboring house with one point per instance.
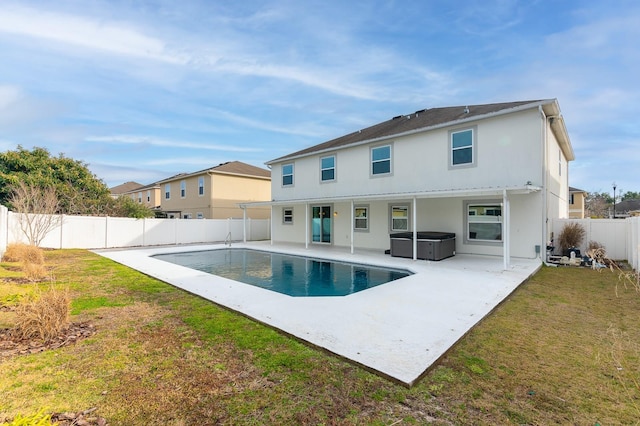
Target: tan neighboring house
point(124, 189)
point(149, 195)
point(577, 199)
point(214, 193)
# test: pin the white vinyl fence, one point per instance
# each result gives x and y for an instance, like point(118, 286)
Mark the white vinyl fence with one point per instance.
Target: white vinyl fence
point(620, 237)
point(92, 232)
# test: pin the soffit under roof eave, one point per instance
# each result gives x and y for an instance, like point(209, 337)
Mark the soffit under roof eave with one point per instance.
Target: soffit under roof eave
point(480, 192)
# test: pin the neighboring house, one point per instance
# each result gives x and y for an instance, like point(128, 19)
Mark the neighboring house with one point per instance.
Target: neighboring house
point(627, 208)
point(495, 175)
point(124, 188)
point(149, 195)
point(215, 193)
point(577, 199)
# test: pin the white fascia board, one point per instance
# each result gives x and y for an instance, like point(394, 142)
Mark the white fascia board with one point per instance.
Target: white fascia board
point(448, 193)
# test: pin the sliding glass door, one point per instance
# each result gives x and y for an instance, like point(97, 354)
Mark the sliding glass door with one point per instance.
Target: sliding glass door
point(321, 224)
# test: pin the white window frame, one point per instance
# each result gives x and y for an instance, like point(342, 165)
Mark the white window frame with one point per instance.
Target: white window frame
point(399, 207)
point(199, 215)
point(323, 169)
point(472, 215)
point(292, 174)
point(183, 188)
point(139, 197)
point(287, 218)
point(187, 216)
point(167, 191)
point(372, 162)
point(201, 186)
point(473, 147)
point(148, 196)
point(359, 209)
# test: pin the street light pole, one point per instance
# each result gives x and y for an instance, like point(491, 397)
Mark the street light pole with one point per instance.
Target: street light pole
point(614, 200)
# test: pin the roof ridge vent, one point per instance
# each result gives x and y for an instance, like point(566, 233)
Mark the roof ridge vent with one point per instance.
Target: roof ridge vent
point(466, 109)
point(396, 117)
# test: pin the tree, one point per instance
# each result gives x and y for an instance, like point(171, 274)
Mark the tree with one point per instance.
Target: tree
point(630, 195)
point(597, 204)
point(79, 191)
point(36, 208)
point(126, 207)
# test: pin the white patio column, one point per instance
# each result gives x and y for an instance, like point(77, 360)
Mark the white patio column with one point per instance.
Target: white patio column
point(352, 224)
point(506, 234)
point(306, 226)
point(415, 228)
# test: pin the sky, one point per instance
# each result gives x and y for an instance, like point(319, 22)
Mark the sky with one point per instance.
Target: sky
point(143, 90)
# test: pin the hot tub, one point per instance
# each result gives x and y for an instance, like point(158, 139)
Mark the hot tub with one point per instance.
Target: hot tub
point(431, 245)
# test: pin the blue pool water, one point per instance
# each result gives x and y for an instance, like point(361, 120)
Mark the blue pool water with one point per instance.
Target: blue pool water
point(292, 275)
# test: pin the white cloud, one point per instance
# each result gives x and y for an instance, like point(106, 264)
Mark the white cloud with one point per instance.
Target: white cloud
point(84, 32)
point(151, 140)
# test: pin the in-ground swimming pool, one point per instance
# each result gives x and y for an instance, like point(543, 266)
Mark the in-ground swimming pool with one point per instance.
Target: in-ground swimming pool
point(292, 275)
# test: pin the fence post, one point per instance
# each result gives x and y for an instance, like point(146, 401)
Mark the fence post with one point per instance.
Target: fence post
point(4, 229)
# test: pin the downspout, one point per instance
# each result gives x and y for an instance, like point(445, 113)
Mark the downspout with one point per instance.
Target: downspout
point(545, 170)
point(271, 226)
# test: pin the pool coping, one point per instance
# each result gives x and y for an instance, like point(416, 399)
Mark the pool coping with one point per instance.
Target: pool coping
point(399, 329)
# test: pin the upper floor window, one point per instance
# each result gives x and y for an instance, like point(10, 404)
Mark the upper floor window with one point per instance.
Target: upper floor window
point(287, 175)
point(201, 185)
point(328, 168)
point(559, 163)
point(381, 160)
point(167, 191)
point(484, 222)
point(462, 147)
point(139, 197)
point(148, 196)
point(183, 188)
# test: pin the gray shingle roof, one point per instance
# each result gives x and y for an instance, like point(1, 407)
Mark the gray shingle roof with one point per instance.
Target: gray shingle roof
point(125, 187)
point(422, 119)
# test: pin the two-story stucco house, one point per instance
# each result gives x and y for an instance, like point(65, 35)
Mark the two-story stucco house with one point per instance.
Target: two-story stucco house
point(577, 199)
point(215, 193)
point(492, 174)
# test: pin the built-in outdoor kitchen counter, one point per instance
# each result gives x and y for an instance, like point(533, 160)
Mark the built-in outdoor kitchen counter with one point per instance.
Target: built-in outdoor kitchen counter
point(431, 245)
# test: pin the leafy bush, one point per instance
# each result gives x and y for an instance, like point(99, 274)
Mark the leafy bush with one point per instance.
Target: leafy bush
point(43, 316)
point(571, 236)
point(37, 419)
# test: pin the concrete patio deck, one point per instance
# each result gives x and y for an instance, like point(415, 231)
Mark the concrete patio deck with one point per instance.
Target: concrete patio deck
point(398, 329)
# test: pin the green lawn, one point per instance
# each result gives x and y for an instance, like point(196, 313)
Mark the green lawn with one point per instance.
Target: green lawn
point(563, 349)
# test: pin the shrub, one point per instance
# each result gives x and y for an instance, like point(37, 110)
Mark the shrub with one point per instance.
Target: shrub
point(23, 253)
point(571, 236)
point(43, 316)
point(37, 419)
point(34, 271)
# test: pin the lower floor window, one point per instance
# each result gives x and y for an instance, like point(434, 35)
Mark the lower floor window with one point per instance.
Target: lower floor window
point(399, 218)
point(484, 222)
point(361, 218)
point(287, 215)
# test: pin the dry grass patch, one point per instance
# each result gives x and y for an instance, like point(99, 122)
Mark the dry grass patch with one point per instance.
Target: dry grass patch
point(43, 315)
point(23, 253)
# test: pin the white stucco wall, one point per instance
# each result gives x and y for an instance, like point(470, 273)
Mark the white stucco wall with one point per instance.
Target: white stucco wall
point(508, 154)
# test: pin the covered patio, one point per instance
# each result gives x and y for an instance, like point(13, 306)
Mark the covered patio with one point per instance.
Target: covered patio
point(397, 330)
